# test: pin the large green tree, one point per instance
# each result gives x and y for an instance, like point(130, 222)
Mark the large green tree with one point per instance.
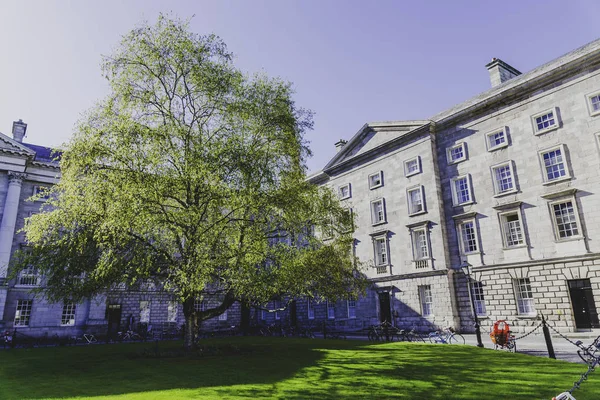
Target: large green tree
point(191, 175)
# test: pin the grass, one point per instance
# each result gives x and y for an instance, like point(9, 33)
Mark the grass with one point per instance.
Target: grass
point(276, 368)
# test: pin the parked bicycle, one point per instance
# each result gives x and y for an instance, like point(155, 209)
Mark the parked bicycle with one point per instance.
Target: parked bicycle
point(128, 335)
point(446, 336)
point(411, 335)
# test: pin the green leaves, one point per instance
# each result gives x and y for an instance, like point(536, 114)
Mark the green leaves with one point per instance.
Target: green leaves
point(192, 175)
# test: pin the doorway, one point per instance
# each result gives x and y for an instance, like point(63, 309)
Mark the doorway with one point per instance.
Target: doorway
point(113, 315)
point(582, 300)
point(385, 311)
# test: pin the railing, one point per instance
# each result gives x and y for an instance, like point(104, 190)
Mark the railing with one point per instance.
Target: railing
point(382, 269)
point(28, 280)
point(421, 264)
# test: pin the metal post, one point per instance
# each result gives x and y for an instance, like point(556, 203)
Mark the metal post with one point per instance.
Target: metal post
point(472, 301)
point(548, 338)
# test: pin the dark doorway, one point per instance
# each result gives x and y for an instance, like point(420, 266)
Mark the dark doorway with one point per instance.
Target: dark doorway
point(113, 315)
point(385, 312)
point(245, 318)
point(584, 308)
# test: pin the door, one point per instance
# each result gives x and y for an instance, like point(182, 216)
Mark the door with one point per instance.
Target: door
point(113, 316)
point(385, 312)
point(582, 300)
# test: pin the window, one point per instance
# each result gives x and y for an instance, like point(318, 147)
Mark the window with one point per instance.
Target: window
point(420, 244)
point(68, 315)
point(426, 300)
point(42, 191)
point(593, 101)
point(381, 251)
point(478, 300)
point(416, 203)
point(376, 180)
point(524, 293)
point(545, 121)
point(496, 139)
point(344, 192)
point(553, 164)
point(172, 311)
point(565, 219)
point(512, 233)
point(378, 212)
point(330, 310)
point(263, 315)
point(28, 277)
point(461, 190)
point(352, 308)
point(456, 154)
point(145, 311)
point(467, 235)
point(277, 306)
point(412, 167)
point(223, 317)
point(311, 309)
point(23, 312)
point(503, 178)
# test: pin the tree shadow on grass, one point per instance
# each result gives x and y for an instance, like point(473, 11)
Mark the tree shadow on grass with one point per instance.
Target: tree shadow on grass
point(292, 369)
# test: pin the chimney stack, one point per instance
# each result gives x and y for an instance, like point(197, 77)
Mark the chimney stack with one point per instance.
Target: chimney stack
point(340, 144)
point(500, 72)
point(18, 130)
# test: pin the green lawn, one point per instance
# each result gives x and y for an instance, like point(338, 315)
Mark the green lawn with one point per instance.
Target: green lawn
point(279, 368)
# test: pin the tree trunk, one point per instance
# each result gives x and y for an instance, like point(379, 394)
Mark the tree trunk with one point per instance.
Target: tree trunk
point(191, 324)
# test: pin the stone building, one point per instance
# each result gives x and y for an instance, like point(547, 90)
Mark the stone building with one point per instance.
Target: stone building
point(505, 182)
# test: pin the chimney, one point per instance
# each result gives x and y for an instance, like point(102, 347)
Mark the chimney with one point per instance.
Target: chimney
point(19, 129)
point(340, 144)
point(500, 72)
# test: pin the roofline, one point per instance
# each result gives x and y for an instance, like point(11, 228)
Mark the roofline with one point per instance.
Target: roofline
point(587, 54)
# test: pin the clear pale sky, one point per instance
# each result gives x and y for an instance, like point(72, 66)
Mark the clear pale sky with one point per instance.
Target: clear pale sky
point(351, 62)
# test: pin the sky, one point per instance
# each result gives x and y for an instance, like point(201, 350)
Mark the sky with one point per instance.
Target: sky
point(351, 62)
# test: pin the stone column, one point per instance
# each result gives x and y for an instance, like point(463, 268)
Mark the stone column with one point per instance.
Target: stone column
point(9, 219)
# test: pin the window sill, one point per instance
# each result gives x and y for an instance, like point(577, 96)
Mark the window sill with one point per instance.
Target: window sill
point(527, 316)
point(471, 253)
point(594, 113)
point(483, 316)
point(457, 161)
point(344, 198)
point(563, 179)
point(464, 204)
point(546, 130)
point(379, 223)
point(513, 191)
point(376, 186)
point(570, 239)
point(500, 146)
point(412, 173)
point(521, 246)
point(418, 213)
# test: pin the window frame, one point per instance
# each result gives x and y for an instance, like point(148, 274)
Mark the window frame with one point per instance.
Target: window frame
point(489, 146)
point(408, 173)
point(40, 188)
point(23, 310)
point(426, 300)
point(409, 203)
point(223, 316)
point(565, 164)
point(373, 202)
point(449, 159)
point(351, 315)
point(330, 307)
point(310, 309)
point(28, 277)
point(378, 185)
point(459, 232)
point(416, 245)
point(145, 311)
point(453, 181)
point(502, 221)
point(573, 201)
point(172, 311)
point(478, 298)
point(513, 189)
point(340, 195)
point(588, 100)
point(68, 314)
point(376, 246)
point(524, 308)
point(554, 111)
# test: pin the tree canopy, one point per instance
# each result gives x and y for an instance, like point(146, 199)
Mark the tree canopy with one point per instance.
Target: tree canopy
point(191, 175)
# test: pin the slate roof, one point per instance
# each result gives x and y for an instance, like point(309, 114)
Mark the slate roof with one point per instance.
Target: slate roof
point(44, 154)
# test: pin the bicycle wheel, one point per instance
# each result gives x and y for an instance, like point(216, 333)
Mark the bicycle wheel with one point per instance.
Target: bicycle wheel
point(512, 346)
point(434, 337)
point(456, 338)
point(415, 337)
point(372, 336)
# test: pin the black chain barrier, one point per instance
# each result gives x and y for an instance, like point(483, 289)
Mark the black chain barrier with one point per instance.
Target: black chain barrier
point(529, 333)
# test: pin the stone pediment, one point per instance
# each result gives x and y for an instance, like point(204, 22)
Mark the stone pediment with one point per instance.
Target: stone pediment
point(9, 145)
point(371, 137)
